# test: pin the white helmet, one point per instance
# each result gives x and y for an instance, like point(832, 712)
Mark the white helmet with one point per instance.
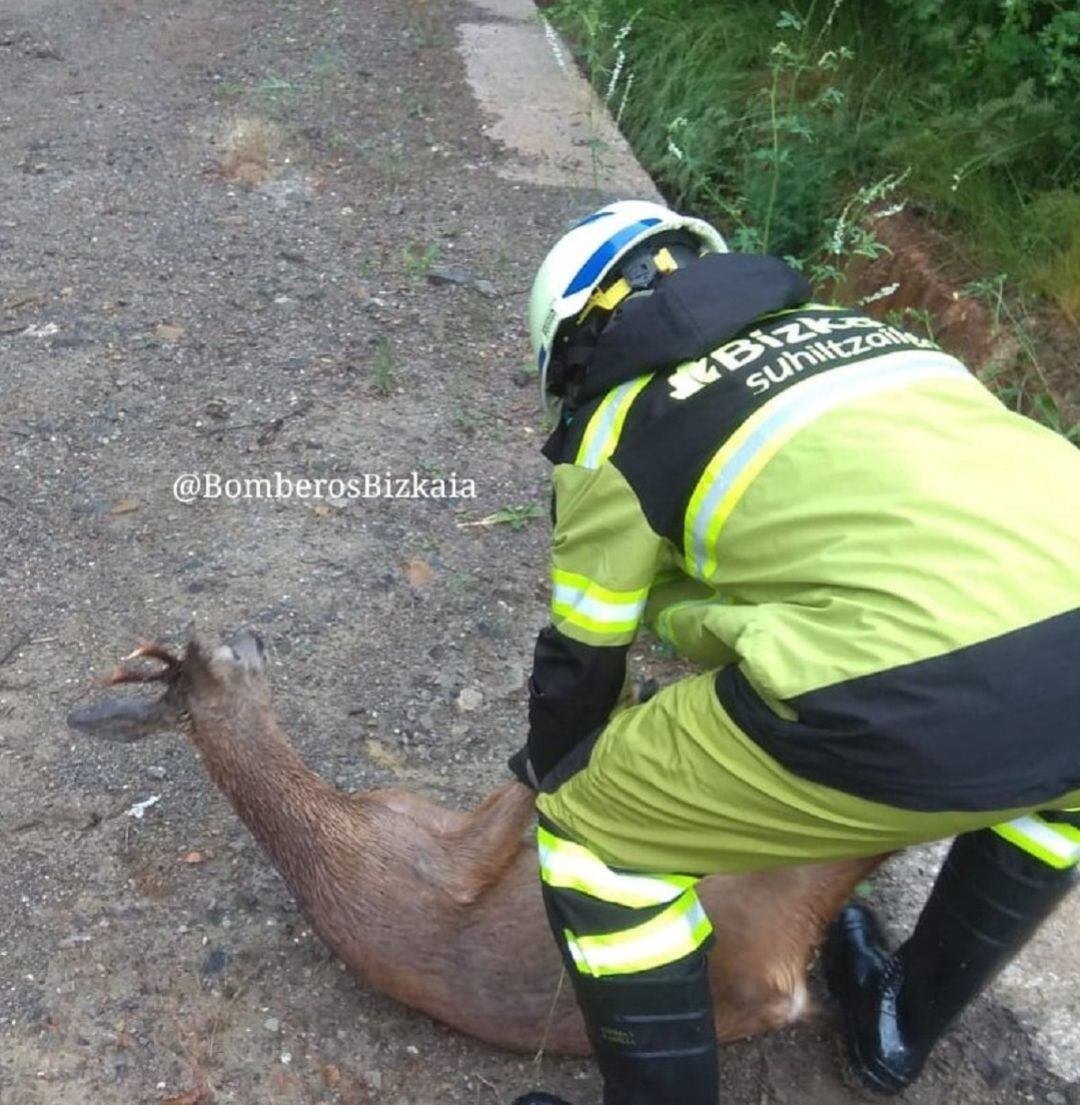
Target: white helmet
point(578, 263)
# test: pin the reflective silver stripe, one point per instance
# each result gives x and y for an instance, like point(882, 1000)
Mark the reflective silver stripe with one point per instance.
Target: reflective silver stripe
point(757, 440)
point(597, 609)
point(1056, 847)
point(605, 426)
point(585, 603)
point(569, 866)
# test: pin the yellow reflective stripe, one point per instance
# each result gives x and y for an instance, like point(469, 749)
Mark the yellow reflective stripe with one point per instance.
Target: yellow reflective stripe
point(569, 866)
point(801, 308)
point(669, 936)
point(1044, 840)
point(605, 426)
point(575, 580)
point(742, 457)
point(584, 602)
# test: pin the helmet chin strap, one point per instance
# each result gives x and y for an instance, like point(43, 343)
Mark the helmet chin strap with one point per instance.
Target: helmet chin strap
point(638, 274)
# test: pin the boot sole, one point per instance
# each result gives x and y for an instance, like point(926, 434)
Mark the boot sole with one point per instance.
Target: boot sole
point(857, 1076)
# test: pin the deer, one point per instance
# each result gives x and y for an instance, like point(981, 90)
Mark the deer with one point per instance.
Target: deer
point(441, 908)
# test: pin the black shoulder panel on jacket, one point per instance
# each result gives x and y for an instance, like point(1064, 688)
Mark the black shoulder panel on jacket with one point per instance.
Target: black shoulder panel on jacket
point(691, 311)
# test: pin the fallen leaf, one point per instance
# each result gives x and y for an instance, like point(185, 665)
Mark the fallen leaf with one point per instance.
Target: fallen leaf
point(513, 516)
point(124, 506)
point(193, 857)
point(418, 573)
point(331, 1076)
point(321, 510)
point(169, 331)
point(192, 1097)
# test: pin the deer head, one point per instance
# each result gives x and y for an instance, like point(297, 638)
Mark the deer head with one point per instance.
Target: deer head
point(225, 689)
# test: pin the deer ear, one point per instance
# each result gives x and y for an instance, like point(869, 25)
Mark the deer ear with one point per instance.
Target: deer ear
point(199, 677)
point(126, 719)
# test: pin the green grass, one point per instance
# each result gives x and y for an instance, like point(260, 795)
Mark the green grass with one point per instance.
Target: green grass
point(384, 369)
point(772, 118)
point(418, 260)
point(1023, 385)
point(794, 126)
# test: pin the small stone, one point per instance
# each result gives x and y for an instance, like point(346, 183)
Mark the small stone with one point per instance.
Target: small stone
point(374, 1079)
point(156, 771)
point(169, 331)
point(272, 1024)
point(1055, 1098)
point(444, 274)
point(215, 962)
point(469, 700)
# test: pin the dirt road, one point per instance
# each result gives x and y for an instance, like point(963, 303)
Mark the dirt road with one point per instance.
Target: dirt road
point(275, 237)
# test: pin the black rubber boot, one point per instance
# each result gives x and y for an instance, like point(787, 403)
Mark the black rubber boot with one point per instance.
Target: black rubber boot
point(988, 899)
point(652, 1033)
point(539, 1098)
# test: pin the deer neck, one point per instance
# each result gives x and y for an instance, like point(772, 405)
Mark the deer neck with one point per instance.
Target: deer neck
point(353, 876)
point(309, 829)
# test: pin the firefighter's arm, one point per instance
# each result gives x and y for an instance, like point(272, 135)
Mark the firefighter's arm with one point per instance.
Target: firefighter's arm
point(604, 559)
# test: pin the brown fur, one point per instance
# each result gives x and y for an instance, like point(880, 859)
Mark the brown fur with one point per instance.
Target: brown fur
point(441, 909)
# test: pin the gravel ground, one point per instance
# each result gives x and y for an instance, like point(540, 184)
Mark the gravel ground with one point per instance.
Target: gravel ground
point(275, 237)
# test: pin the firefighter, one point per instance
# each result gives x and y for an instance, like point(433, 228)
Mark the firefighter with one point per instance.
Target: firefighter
point(875, 565)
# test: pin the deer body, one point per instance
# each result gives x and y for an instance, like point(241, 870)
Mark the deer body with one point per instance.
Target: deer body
point(441, 909)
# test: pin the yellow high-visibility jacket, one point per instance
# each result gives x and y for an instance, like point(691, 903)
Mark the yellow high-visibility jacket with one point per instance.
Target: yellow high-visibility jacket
point(881, 561)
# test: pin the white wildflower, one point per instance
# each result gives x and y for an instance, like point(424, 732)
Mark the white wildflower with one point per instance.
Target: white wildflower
point(556, 46)
point(625, 95)
point(616, 73)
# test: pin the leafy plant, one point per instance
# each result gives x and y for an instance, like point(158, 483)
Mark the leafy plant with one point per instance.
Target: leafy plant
point(418, 261)
point(771, 116)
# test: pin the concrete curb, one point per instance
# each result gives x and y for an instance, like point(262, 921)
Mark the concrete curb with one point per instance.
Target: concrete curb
point(553, 127)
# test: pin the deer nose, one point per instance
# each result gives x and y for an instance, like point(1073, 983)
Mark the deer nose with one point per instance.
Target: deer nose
point(248, 648)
